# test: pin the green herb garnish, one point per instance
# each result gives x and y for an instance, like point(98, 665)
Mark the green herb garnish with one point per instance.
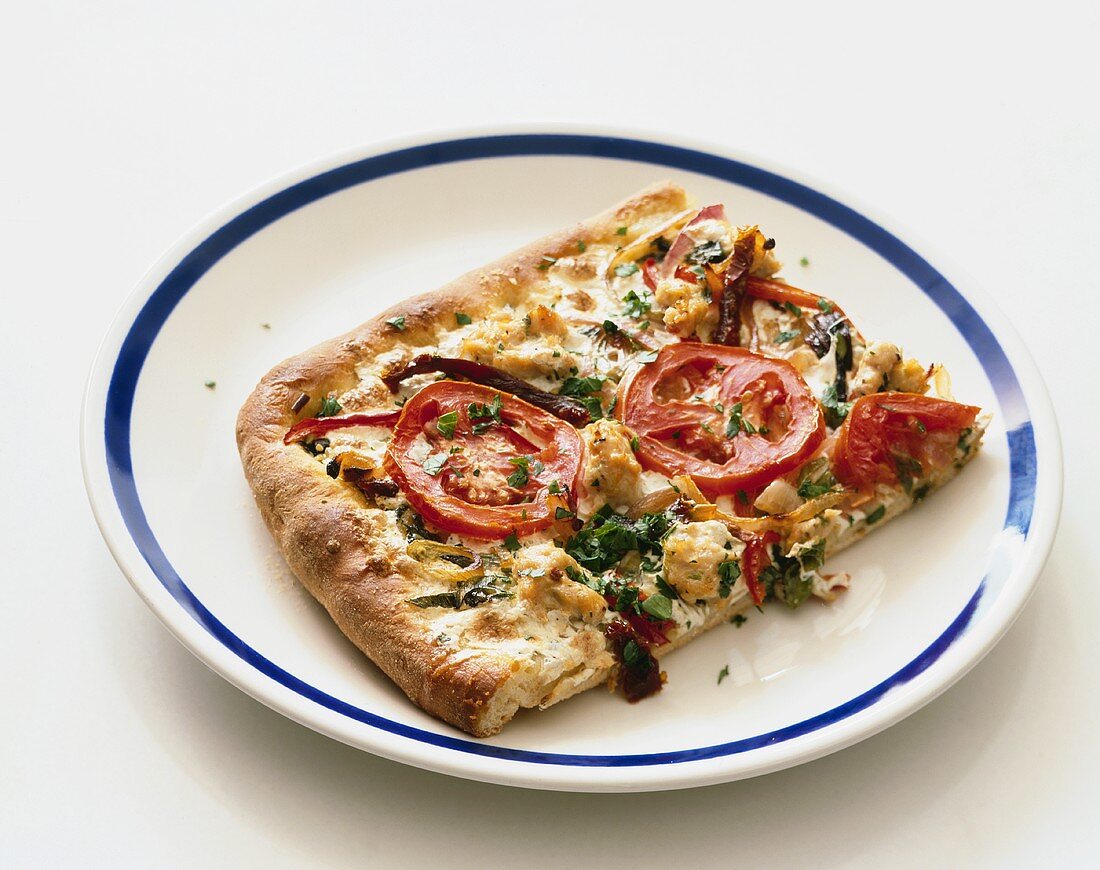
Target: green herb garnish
point(722, 674)
point(728, 574)
point(625, 270)
point(433, 465)
point(876, 515)
point(329, 407)
point(463, 319)
point(446, 423)
point(397, 323)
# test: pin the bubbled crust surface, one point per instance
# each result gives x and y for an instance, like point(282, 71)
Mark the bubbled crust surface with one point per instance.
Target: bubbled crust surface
point(333, 541)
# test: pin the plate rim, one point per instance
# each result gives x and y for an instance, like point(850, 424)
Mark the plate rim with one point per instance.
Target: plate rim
point(955, 661)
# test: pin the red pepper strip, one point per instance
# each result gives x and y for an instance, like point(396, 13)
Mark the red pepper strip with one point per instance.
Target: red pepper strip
point(314, 427)
point(649, 274)
point(754, 560)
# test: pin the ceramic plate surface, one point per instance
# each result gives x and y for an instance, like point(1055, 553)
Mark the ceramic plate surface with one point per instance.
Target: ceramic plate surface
point(311, 255)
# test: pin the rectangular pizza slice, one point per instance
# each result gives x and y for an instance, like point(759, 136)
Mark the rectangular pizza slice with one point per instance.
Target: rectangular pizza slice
point(558, 468)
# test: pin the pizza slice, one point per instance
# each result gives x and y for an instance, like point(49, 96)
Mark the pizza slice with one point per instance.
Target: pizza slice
point(555, 470)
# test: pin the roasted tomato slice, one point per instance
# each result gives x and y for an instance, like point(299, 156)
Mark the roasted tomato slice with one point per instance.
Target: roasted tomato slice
point(888, 436)
point(479, 462)
point(730, 418)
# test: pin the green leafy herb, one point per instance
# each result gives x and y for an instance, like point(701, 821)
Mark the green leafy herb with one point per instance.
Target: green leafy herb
point(609, 536)
point(737, 423)
point(786, 336)
point(446, 423)
point(397, 323)
point(554, 488)
point(636, 306)
point(739, 620)
point(728, 574)
point(547, 262)
point(463, 319)
point(329, 407)
point(625, 270)
point(582, 247)
point(524, 468)
point(210, 384)
point(581, 386)
point(433, 465)
point(825, 305)
point(835, 410)
point(805, 261)
point(488, 415)
point(876, 515)
point(793, 309)
point(561, 513)
point(722, 674)
point(621, 231)
point(658, 606)
point(817, 479)
point(664, 588)
point(511, 543)
point(634, 443)
point(707, 252)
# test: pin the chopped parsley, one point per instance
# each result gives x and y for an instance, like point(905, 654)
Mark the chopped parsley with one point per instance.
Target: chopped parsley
point(586, 390)
point(561, 513)
point(817, 480)
point(547, 262)
point(433, 465)
point(633, 655)
point(707, 252)
point(658, 606)
point(621, 231)
point(634, 443)
point(524, 468)
point(825, 305)
point(329, 407)
point(794, 310)
point(446, 423)
point(487, 415)
point(625, 270)
point(636, 306)
point(876, 515)
point(554, 488)
point(739, 620)
point(581, 246)
point(835, 410)
point(609, 536)
point(728, 574)
point(511, 543)
point(463, 319)
point(737, 423)
point(722, 674)
point(805, 261)
point(397, 323)
point(210, 384)
point(646, 357)
point(785, 336)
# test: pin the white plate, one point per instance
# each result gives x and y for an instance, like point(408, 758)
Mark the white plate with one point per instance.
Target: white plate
point(328, 246)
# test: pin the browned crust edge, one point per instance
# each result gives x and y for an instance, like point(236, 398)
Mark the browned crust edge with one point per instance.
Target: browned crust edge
point(330, 540)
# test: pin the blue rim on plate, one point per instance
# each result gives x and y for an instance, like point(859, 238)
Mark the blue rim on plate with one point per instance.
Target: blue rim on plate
point(155, 312)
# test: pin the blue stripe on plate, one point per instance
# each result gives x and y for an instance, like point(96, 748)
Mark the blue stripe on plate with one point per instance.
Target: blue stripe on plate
point(142, 334)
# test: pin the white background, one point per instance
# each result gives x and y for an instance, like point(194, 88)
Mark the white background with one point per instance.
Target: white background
point(123, 124)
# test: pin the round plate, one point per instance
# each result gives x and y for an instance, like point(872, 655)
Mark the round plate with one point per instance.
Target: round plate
point(312, 254)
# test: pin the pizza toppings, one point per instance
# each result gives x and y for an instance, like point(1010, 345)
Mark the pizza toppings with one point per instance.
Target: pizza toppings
point(491, 476)
point(898, 437)
point(731, 419)
point(567, 408)
point(315, 427)
point(639, 674)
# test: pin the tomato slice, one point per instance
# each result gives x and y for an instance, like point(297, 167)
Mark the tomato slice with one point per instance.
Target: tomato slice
point(888, 433)
point(730, 418)
point(452, 452)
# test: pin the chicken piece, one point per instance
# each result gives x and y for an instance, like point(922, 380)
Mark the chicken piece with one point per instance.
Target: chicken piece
point(693, 552)
point(543, 583)
point(879, 357)
point(611, 473)
point(528, 346)
point(687, 307)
